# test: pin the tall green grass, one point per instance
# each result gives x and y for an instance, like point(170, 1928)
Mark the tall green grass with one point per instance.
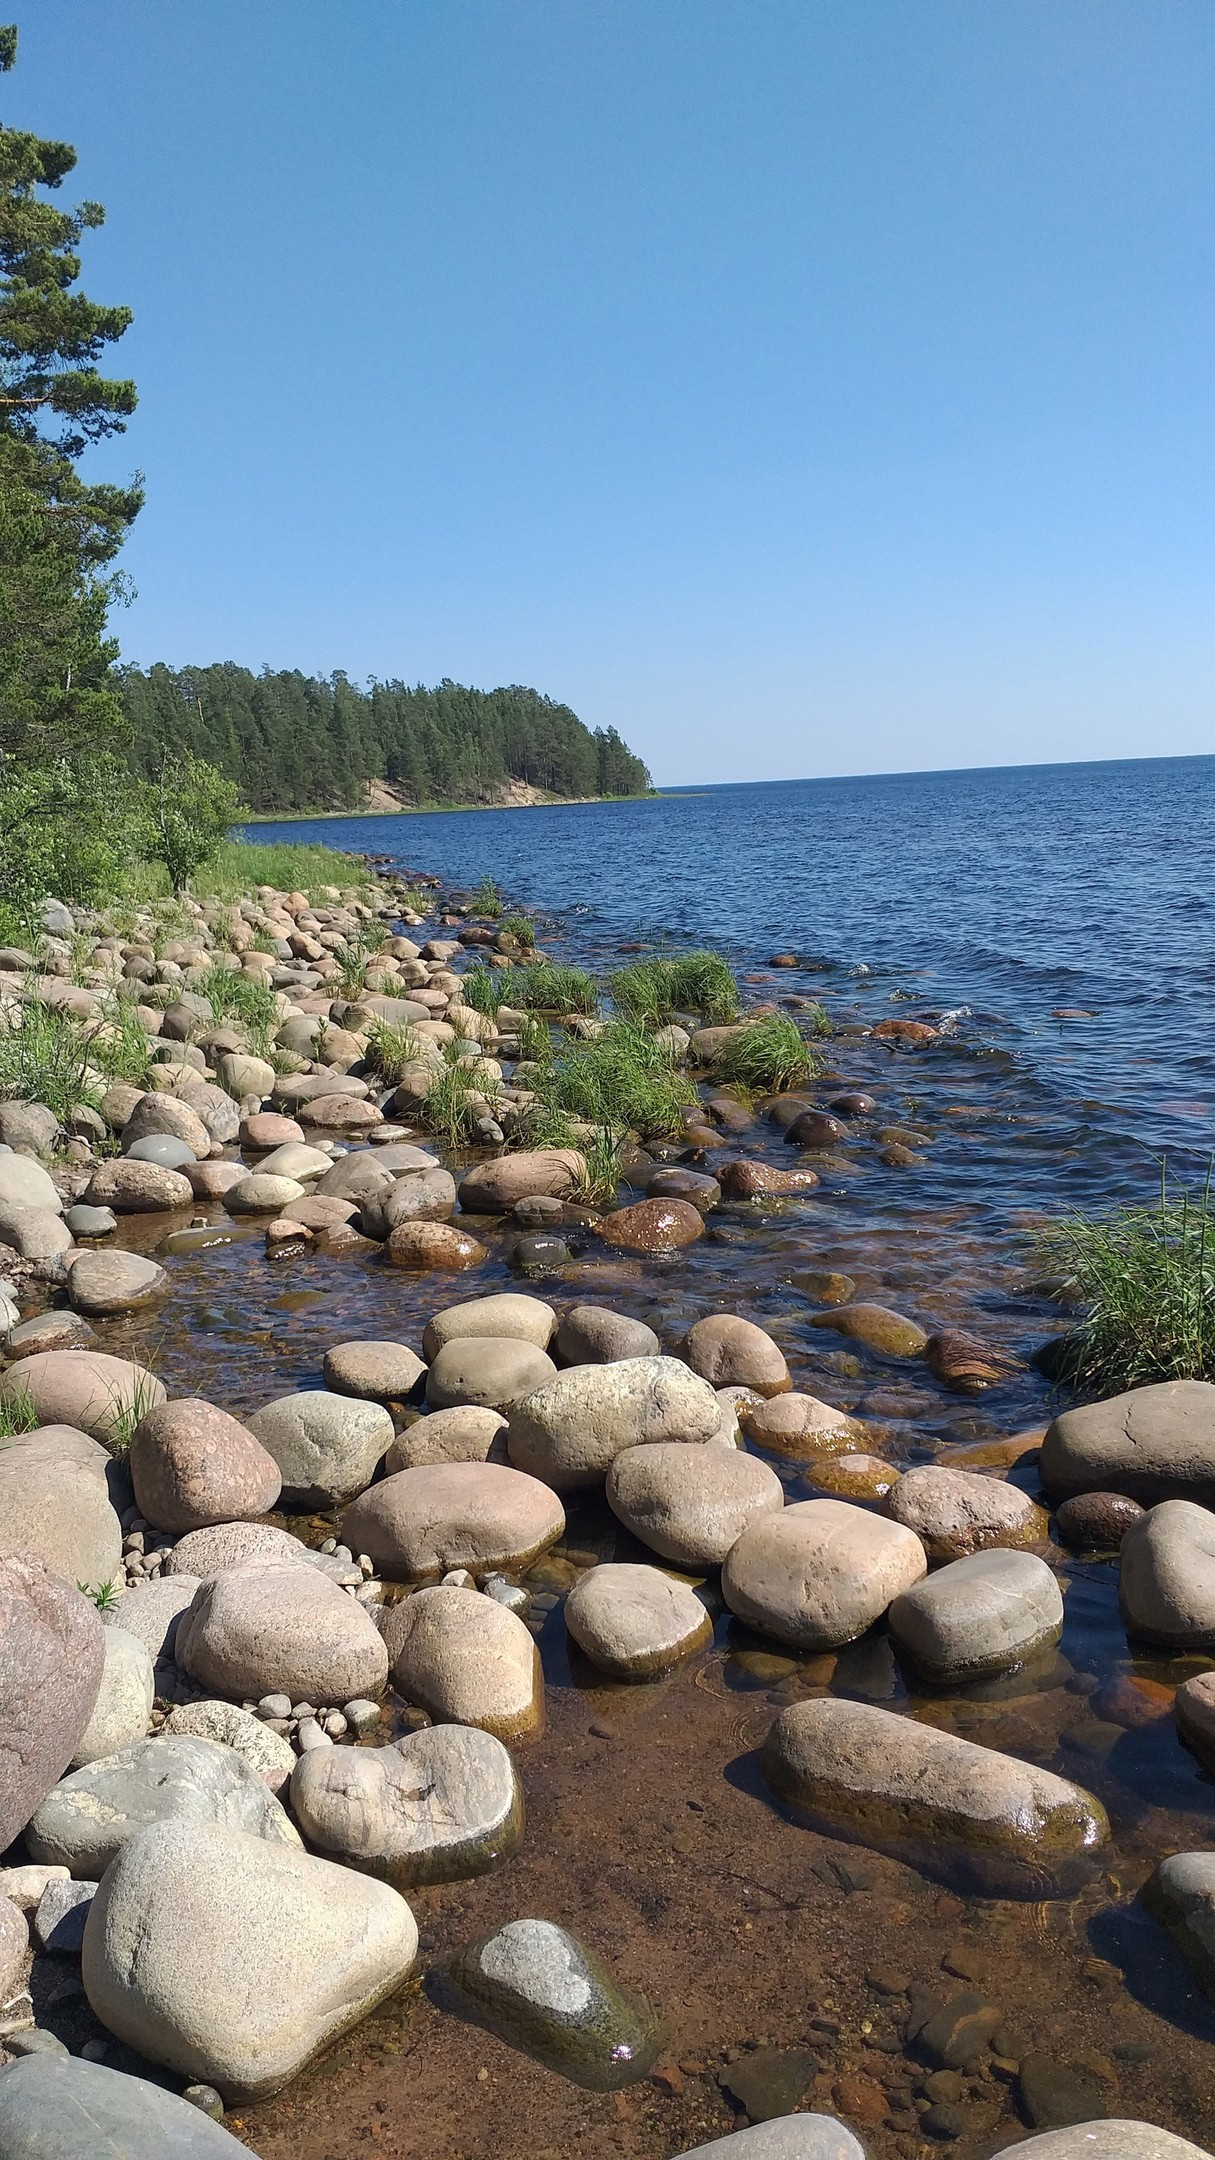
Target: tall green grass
point(622, 1081)
point(521, 928)
point(457, 1098)
point(53, 1058)
point(390, 1050)
point(17, 1413)
point(239, 866)
point(654, 992)
point(487, 900)
point(766, 1056)
point(1145, 1278)
point(543, 986)
point(233, 995)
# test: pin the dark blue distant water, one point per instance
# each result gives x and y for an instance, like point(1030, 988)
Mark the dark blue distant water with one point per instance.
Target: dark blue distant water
point(1014, 892)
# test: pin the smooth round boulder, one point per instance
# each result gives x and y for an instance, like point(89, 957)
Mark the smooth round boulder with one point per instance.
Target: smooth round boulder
point(571, 1430)
point(494, 1372)
point(381, 1372)
point(103, 1283)
point(891, 1334)
point(97, 2110)
point(509, 1314)
point(267, 1753)
point(440, 1805)
point(466, 1660)
point(420, 1196)
point(1097, 1521)
point(162, 1148)
point(90, 1222)
point(690, 1510)
point(165, 1114)
point(124, 1700)
point(266, 1129)
point(24, 1183)
point(1152, 1443)
point(999, 1826)
point(85, 1822)
point(270, 1626)
point(478, 1515)
point(222, 1545)
point(729, 1352)
point(465, 1434)
point(193, 1465)
point(595, 1335)
point(261, 1193)
point(955, 1512)
point(1166, 1576)
point(296, 1160)
point(800, 1427)
point(819, 1573)
point(326, 1446)
point(653, 1226)
point(980, 1615)
point(1194, 1710)
point(493, 1188)
point(55, 1506)
point(426, 1245)
point(634, 1622)
point(137, 1188)
point(96, 1393)
point(232, 1960)
point(52, 1656)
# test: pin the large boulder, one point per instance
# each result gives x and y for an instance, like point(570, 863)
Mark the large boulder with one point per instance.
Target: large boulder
point(222, 1545)
point(1153, 1443)
point(231, 1960)
point(491, 1371)
point(653, 1226)
point(1166, 1577)
point(85, 1388)
point(26, 1184)
point(52, 1655)
point(326, 1446)
point(137, 1188)
point(797, 2137)
point(572, 1429)
point(979, 1615)
point(477, 1515)
point(690, 1509)
point(192, 1465)
point(60, 2107)
point(955, 1512)
point(509, 1314)
point(465, 1434)
point(819, 1573)
point(1002, 1827)
point(88, 1818)
point(155, 1113)
point(439, 1805)
point(55, 1506)
point(124, 1702)
point(492, 1188)
point(272, 1627)
point(104, 1283)
point(466, 1661)
point(634, 1622)
point(730, 1352)
point(33, 1233)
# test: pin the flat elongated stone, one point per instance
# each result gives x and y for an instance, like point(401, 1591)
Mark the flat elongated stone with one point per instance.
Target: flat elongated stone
point(1153, 1443)
point(438, 1806)
point(979, 1615)
point(943, 1804)
point(543, 1992)
point(60, 2107)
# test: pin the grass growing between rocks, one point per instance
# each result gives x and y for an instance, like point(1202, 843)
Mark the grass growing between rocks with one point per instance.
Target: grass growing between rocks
point(487, 900)
point(233, 995)
point(543, 986)
point(238, 867)
point(51, 1057)
point(522, 929)
point(621, 1081)
point(17, 1414)
point(654, 992)
point(769, 1055)
point(125, 1416)
point(457, 1098)
point(392, 1050)
point(1146, 1280)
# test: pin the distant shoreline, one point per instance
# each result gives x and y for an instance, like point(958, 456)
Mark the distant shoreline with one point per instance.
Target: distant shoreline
point(446, 809)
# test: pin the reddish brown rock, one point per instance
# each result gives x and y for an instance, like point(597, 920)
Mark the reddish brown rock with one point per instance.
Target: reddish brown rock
point(730, 1352)
point(653, 1226)
point(192, 1465)
point(742, 1180)
point(340, 1113)
point(1097, 1521)
point(800, 1426)
point(905, 1031)
point(211, 1180)
point(966, 1364)
point(52, 1652)
point(266, 1129)
point(422, 1245)
point(492, 1188)
point(816, 1129)
point(855, 1477)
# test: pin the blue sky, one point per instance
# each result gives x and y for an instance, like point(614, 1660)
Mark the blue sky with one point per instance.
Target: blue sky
point(803, 386)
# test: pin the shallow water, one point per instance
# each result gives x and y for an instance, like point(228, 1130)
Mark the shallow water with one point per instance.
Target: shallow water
point(649, 1832)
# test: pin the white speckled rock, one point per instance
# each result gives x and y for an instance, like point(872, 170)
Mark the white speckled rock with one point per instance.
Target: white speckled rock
point(266, 1752)
point(634, 1621)
point(59, 2107)
point(819, 1573)
point(152, 1611)
point(572, 1429)
point(233, 1961)
point(794, 2137)
point(124, 1704)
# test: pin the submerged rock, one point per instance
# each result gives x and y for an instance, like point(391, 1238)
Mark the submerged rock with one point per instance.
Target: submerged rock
point(998, 1825)
point(889, 1333)
point(539, 1989)
point(730, 1352)
point(800, 1426)
point(438, 1806)
point(653, 1226)
point(634, 1622)
point(1180, 1894)
point(1097, 1521)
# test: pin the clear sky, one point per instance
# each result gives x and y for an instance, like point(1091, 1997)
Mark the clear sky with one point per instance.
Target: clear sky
point(804, 386)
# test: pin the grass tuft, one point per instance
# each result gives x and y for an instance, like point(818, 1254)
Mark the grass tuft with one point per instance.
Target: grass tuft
point(233, 995)
point(391, 1050)
point(543, 986)
point(657, 991)
point(522, 929)
point(1146, 1280)
point(17, 1413)
point(487, 900)
point(767, 1056)
point(457, 1098)
point(622, 1081)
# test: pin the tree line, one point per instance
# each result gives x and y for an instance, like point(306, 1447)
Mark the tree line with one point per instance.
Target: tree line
point(294, 743)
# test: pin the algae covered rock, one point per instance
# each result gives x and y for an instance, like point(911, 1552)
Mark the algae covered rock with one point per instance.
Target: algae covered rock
point(539, 1989)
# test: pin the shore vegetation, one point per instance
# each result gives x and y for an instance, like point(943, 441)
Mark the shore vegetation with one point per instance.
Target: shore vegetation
point(765, 1057)
point(656, 992)
point(1145, 1280)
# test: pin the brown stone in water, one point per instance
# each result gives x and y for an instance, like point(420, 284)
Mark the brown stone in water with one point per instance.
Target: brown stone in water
point(340, 1113)
point(815, 1129)
point(741, 1180)
point(730, 1352)
point(653, 1226)
point(1097, 1521)
point(966, 1364)
point(799, 1425)
point(211, 1180)
point(856, 1477)
point(266, 1129)
point(424, 1245)
point(905, 1031)
point(889, 1333)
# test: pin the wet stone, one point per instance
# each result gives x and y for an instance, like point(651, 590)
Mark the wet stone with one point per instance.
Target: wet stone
point(543, 1992)
point(957, 2034)
point(538, 1253)
point(770, 2081)
point(886, 1332)
point(443, 1804)
point(1097, 1521)
point(1052, 2094)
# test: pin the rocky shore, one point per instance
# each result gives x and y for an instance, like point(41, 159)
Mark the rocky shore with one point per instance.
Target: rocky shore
point(289, 1682)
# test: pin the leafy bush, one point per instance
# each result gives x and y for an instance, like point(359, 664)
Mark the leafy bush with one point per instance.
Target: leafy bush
point(766, 1055)
point(65, 830)
point(657, 991)
point(185, 812)
point(623, 1080)
point(1146, 1280)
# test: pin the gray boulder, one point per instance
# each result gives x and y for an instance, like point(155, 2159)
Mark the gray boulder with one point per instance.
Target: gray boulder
point(55, 1505)
point(1109, 2139)
point(1002, 1827)
point(326, 1446)
point(1166, 1576)
point(493, 1372)
point(60, 2107)
point(508, 1314)
point(152, 1610)
point(232, 1960)
point(572, 1429)
point(595, 1335)
point(539, 1989)
point(103, 1283)
point(273, 1627)
point(124, 1701)
point(1153, 1443)
point(52, 1653)
point(440, 1805)
point(979, 1615)
point(26, 1184)
point(792, 2137)
point(266, 1752)
point(35, 1233)
point(92, 1814)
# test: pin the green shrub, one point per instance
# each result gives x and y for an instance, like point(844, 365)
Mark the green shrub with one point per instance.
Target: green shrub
point(657, 991)
point(184, 813)
point(767, 1055)
point(623, 1080)
point(1145, 1278)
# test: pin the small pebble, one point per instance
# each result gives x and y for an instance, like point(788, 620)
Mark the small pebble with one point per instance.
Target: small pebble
point(206, 2099)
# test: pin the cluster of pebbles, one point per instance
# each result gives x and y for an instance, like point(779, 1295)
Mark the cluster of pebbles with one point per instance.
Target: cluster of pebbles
point(232, 1755)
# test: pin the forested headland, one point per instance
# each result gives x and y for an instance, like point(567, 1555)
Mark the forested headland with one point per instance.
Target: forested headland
point(293, 742)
